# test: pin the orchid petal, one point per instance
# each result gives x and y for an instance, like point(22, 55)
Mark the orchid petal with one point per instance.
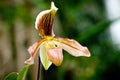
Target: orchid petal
point(55, 55)
point(44, 21)
point(73, 47)
point(33, 50)
point(43, 56)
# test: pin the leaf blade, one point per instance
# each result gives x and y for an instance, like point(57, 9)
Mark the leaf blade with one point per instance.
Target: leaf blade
point(11, 76)
point(22, 73)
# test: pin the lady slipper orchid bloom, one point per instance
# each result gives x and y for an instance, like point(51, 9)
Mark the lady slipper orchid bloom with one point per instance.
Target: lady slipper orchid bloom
point(50, 47)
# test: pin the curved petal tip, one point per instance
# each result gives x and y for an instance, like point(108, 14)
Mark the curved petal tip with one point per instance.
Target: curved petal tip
point(86, 52)
point(53, 7)
point(30, 61)
point(74, 48)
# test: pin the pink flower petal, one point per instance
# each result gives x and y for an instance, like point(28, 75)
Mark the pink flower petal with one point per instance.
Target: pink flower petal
point(55, 55)
point(33, 50)
point(73, 47)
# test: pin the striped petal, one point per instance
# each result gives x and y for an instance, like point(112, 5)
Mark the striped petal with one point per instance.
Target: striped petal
point(73, 47)
point(33, 50)
point(44, 21)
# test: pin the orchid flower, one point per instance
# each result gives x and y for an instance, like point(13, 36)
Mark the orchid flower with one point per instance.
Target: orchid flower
point(50, 47)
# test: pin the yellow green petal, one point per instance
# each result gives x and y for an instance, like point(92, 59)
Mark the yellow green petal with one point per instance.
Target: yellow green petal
point(43, 56)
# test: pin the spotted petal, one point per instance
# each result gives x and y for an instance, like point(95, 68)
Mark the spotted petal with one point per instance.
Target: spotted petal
point(73, 47)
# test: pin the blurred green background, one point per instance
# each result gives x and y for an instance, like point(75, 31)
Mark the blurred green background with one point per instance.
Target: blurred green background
point(83, 20)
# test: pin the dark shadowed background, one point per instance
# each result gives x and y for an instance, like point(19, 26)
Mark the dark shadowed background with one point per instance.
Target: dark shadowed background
point(87, 21)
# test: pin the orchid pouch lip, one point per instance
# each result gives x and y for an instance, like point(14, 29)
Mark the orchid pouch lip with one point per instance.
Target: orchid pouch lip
point(50, 47)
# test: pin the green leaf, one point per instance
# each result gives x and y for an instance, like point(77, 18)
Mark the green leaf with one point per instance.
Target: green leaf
point(22, 73)
point(11, 76)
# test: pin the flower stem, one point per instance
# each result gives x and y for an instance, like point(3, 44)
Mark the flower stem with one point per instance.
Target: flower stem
point(39, 68)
